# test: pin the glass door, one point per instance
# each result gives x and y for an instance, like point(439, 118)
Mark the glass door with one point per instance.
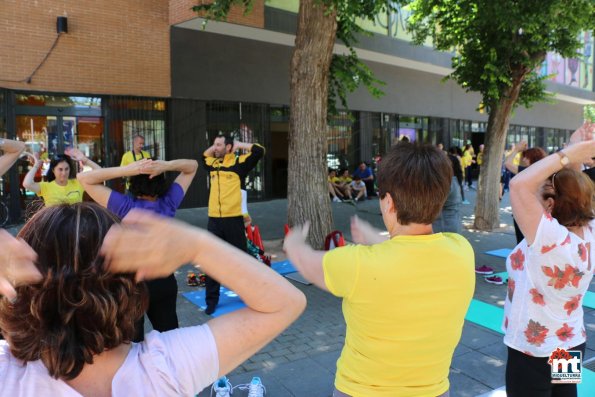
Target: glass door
point(48, 136)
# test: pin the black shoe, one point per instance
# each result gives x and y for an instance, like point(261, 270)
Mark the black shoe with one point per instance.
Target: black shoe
point(210, 310)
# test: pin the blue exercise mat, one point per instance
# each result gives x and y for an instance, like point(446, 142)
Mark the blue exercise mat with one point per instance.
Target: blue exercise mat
point(229, 301)
point(500, 253)
point(283, 267)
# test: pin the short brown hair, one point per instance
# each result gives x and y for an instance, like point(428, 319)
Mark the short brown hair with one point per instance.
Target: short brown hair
point(418, 178)
point(79, 309)
point(573, 198)
point(533, 154)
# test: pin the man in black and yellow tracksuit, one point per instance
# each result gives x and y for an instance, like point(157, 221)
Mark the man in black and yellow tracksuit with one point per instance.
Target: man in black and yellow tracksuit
point(227, 173)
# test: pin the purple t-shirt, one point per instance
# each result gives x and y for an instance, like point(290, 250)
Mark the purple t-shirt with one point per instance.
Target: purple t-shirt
point(120, 204)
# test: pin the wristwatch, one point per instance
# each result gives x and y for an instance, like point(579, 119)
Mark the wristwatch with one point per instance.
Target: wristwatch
point(1, 141)
point(564, 160)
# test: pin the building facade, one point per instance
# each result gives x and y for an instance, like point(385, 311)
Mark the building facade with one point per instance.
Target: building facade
point(152, 68)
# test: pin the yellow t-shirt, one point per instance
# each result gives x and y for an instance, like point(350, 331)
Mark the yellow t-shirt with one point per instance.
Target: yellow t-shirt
point(404, 303)
point(480, 158)
point(128, 158)
point(347, 180)
point(54, 194)
point(467, 159)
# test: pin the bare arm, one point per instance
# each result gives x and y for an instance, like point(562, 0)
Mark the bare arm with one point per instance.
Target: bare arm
point(12, 151)
point(29, 180)
point(77, 155)
point(509, 161)
point(306, 260)
point(92, 181)
point(17, 264)
point(241, 146)
point(186, 168)
point(364, 233)
point(273, 303)
point(525, 187)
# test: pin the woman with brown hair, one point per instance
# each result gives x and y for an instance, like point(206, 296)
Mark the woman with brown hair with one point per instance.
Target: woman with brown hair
point(550, 270)
point(69, 327)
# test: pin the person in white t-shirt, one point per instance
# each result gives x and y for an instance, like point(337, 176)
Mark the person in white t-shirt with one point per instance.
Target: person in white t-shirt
point(551, 269)
point(70, 303)
point(358, 187)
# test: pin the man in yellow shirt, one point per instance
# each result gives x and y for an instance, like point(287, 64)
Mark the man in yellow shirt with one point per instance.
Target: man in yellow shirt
point(137, 152)
point(404, 299)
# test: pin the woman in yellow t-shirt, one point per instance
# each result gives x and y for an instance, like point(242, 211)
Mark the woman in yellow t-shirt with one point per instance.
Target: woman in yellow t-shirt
point(61, 185)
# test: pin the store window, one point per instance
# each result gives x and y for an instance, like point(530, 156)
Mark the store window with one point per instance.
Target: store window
point(343, 133)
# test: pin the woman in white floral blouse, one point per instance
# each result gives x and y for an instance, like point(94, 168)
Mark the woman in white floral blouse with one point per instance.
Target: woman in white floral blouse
point(550, 270)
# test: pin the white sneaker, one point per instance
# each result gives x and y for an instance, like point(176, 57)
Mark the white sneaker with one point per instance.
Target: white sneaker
point(222, 387)
point(336, 199)
point(255, 388)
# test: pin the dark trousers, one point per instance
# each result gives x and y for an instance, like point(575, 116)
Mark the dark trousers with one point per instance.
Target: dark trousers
point(517, 232)
point(370, 188)
point(531, 376)
point(163, 293)
point(469, 176)
point(229, 229)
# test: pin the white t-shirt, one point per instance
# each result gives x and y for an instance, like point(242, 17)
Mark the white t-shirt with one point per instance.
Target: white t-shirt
point(546, 284)
point(180, 362)
point(357, 185)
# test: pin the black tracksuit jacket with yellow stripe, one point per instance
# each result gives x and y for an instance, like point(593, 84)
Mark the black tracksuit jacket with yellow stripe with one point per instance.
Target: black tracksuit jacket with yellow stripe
point(227, 176)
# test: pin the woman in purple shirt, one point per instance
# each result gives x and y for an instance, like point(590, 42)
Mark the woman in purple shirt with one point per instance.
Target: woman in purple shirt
point(151, 193)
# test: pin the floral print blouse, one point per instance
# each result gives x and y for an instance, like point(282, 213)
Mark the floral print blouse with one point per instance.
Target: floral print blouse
point(547, 281)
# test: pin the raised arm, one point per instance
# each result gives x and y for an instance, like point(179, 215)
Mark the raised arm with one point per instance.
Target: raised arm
point(273, 303)
point(77, 155)
point(364, 233)
point(12, 151)
point(306, 260)
point(17, 265)
point(92, 181)
point(509, 161)
point(29, 180)
point(525, 187)
point(186, 168)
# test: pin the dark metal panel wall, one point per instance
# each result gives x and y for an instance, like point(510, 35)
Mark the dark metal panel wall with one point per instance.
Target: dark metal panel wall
point(187, 138)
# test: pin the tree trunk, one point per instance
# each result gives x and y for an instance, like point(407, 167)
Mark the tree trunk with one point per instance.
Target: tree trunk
point(487, 208)
point(308, 196)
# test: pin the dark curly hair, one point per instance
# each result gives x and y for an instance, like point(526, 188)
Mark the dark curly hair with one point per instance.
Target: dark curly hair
point(79, 310)
point(57, 160)
point(142, 185)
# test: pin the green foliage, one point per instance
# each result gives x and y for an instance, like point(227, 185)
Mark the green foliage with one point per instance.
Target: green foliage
point(219, 9)
point(502, 42)
point(347, 72)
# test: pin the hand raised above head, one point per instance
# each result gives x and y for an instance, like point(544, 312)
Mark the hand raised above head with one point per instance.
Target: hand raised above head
point(149, 245)
point(17, 265)
point(137, 167)
point(75, 154)
point(582, 133)
point(154, 168)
